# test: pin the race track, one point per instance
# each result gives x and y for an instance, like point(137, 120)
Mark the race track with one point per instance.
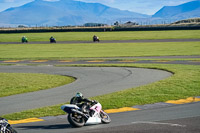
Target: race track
point(91, 81)
point(172, 119)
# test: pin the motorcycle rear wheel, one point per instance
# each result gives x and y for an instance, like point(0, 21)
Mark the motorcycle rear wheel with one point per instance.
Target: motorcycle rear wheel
point(75, 121)
point(105, 117)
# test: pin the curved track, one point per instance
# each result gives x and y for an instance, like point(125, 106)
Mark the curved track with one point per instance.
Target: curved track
point(94, 81)
point(91, 81)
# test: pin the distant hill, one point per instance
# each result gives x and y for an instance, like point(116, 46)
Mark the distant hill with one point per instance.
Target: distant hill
point(183, 11)
point(188, 21)
point(64, 12)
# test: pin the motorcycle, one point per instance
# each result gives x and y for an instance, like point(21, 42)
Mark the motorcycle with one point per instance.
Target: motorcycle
point(96, 39)
point(52, 40)
point(86, 114)
point(6, 127)
point(24, 40)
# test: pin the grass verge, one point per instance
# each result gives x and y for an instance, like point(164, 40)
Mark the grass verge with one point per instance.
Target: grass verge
point(62, 51)
point(17, 83)
point(184, 83)
point(87, 36)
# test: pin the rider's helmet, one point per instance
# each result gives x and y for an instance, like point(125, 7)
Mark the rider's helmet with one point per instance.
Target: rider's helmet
point(78, 94)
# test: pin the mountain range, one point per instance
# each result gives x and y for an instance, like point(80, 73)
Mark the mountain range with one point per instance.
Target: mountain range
point(183, 11)
point(64, 12)
point(70, 12)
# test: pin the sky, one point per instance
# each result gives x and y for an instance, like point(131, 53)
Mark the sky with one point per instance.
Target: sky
point(149, 7)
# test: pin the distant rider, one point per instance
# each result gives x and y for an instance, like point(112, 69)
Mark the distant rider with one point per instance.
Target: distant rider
point(52, 39)
point(24, 39)
point(95, 38)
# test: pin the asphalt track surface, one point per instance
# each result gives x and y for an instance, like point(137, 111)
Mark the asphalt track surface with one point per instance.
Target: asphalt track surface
point(91, 81)
point(179, 118)
point(129, 60)
point(96, 81)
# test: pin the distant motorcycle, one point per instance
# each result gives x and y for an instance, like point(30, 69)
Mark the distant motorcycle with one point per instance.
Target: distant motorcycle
point(24, 39)
point(6, 127)
point(52, 40)
point(95, 39)
point(86, 114)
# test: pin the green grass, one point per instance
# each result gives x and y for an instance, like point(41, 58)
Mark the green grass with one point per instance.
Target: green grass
point(124, 35)
point(184, 83)
point(17, 83)
point(62, 51)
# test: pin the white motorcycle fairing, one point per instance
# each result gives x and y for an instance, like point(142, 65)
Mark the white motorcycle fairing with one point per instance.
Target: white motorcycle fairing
point(95, 119)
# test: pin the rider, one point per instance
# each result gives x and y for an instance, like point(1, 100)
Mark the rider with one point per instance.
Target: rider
point(24, 39)
point(79, 100)
point(94, 38)
point(52, 39)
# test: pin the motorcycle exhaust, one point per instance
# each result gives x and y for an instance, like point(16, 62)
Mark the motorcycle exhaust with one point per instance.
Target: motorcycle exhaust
point(80, 113)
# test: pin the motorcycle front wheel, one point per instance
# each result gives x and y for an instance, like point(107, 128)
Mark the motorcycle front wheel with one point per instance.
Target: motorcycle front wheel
point(10, 130)
point(105, 117)
point(76, 120)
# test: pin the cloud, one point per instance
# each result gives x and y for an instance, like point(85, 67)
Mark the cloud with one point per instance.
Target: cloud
point(15, 1)
point(9, 0)
point(51, 0)
point(99, 1)
point(5, 4)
